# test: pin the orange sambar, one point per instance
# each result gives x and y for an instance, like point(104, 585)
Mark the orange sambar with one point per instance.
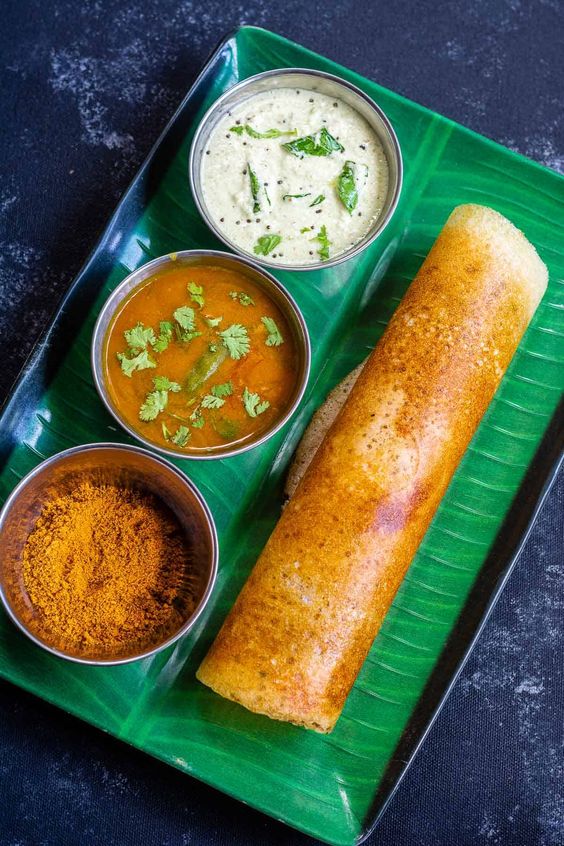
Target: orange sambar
point(219, 341)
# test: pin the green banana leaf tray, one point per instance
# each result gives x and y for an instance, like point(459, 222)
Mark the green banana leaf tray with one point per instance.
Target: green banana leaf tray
point(333, 787)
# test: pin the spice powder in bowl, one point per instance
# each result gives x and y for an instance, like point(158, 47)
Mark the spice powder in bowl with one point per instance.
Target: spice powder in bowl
point(107, 554)
point(105, 569)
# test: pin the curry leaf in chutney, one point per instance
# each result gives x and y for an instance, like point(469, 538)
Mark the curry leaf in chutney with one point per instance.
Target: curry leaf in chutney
point(320, 143)
point(319, 199)
point(255, 189)
point(269, 133)
point(347, 188)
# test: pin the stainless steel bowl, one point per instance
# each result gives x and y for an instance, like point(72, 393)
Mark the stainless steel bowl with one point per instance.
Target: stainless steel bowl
point(191, 258)
point(116, 464)
point(310, 80)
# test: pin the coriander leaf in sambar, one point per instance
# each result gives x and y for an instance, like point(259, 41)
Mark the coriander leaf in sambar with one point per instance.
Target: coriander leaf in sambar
point(155, 403)
point(138, 362)
point(274, 338)
point(236, 340)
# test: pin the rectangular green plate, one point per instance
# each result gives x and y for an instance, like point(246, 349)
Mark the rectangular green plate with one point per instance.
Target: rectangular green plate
point(332, 787)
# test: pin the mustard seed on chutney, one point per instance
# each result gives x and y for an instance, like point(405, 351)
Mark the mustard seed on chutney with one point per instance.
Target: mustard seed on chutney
point(199, 357)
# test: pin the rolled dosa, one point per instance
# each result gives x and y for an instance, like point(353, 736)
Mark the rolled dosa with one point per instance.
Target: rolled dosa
point(296, 637)
point(315, 432)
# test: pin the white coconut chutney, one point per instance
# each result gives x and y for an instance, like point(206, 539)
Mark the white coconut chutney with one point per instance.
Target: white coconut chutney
point(334, 166)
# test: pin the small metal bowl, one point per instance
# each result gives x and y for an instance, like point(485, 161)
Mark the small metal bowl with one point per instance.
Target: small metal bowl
point(191, 258)
point(309, 80)
point(115, 464)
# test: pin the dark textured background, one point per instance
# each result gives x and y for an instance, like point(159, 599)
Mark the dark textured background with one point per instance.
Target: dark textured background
point(86, 88)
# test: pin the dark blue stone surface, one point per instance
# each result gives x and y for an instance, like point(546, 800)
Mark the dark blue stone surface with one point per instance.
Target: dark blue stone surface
point(86, 88)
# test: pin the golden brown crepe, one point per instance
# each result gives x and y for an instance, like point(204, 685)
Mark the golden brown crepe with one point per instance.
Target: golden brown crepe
point(300, 629)
point(318, 427)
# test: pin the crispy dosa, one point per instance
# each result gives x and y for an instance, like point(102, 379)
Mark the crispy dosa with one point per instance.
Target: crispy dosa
point(318, 427)
point(296, 637)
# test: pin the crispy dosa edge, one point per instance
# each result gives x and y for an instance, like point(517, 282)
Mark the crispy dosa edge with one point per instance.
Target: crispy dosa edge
point(510, 252)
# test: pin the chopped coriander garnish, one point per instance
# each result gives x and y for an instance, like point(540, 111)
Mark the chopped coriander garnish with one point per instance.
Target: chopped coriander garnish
point(181, 436)
point(209, 401)
point(212, 322)
point(319, 199)
point(346, 187)
point(166, 432)
point(139, 362)
point(212, 348)
point(305, 229)
point(154, 404)
point(162, 383)
point(186, 336)
point(255, 189)
point(196, 293)
point(138, 337)
point(228, 429)
point(165, 336)
point(274, 335)
point(321, 236)
point(243, 298)
point(265, 244)
point(223, 390)
point(236, 340)
point(197, 420)
point(321, 143)
point(186, 320)
point(269, 133)
point(253, 404)
point(295, 196)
